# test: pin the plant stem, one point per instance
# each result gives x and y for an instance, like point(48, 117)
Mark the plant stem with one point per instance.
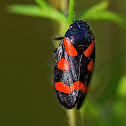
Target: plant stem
point(74, 117)
point(71, 117)
point(72, 114)
point(71, 10)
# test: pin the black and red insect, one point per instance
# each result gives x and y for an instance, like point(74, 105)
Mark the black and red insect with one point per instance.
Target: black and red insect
point(74, 63)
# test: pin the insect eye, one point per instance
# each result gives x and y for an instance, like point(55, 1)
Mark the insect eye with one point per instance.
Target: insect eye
point(71, 26)
point(88, 27)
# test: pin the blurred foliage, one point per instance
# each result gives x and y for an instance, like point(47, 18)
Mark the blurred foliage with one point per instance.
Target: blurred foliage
point(121, 90)
point(111, 113)
point(43, 9)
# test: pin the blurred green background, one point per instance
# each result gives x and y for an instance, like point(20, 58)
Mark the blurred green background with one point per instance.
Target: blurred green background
point(27, 96)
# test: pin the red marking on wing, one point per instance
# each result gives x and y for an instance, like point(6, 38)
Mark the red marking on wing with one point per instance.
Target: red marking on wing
point(78, 85)
point(89, 50)
point(70, 49)
point(90, 65)
point(63, 64)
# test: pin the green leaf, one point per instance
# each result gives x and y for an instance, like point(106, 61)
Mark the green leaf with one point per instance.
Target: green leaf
point(106, 15)
point(43, 5)
point(121, 90)
point(51, 12)
point(110, 16)
point(33, 10)
point(96, 8)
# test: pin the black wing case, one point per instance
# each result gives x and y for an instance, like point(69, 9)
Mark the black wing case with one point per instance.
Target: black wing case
point(85, 75)
point(66, 77)
point(73, 82)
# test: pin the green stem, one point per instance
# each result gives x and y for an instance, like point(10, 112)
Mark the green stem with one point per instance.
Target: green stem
point(72, 114)
point(71, 10)
point(71, 117)
point(74, 117)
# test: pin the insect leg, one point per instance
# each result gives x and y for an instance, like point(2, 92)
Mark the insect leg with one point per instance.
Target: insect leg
point(58, 38)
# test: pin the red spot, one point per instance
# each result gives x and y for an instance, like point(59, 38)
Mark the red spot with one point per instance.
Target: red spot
point(70, 49)
point(63, 64)
point(78, 85)
point(89, 50)
point(90, 65)
point(85, 89)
